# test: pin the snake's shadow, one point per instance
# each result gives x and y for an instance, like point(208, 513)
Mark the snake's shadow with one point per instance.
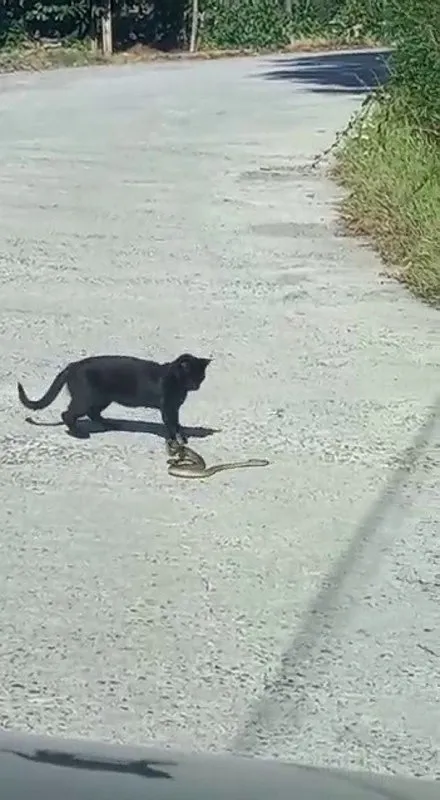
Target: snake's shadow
point(88, 428)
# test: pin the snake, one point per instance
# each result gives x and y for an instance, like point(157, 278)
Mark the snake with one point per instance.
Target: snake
point(186, 463)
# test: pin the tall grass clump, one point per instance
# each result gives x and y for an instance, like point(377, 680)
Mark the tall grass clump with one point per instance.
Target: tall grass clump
point(390, 161)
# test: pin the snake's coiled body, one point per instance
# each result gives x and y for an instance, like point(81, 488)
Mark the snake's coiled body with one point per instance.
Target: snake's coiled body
point(186, 463)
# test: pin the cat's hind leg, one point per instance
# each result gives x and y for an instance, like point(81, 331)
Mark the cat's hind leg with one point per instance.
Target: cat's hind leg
point(71, 415)
point(94, 414)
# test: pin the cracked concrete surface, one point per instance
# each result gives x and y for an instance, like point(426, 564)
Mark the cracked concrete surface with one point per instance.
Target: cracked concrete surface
point(292, 610)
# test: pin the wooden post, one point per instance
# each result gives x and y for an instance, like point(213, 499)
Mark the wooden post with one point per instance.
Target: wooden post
point(93, 32)
point(194, 26)
point(107, 32)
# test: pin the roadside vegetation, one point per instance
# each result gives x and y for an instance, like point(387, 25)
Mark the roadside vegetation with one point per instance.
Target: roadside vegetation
point(39, 34)
point(390, 158)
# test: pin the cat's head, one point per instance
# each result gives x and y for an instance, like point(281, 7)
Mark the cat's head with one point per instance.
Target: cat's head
point(191, 371)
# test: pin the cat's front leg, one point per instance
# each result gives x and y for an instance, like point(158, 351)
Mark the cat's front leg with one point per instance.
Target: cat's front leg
point(180, 437)
point(170, 417)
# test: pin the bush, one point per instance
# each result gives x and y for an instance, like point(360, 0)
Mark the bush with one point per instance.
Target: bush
point(416, 74)
point(357, 20)
point(242, 24)
point(232, 24)
point(266, 23)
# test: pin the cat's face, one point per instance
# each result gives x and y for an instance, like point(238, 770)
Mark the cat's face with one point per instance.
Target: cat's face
point(192, 371)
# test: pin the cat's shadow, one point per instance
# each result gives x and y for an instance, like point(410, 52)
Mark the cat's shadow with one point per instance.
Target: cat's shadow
point(87, 428)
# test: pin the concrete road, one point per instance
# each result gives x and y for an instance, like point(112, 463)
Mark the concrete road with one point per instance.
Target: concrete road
point(292, 610)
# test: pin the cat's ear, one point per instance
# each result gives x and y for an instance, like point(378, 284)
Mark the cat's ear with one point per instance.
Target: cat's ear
point(187, 363)
point(184, 366)
point(184, 363)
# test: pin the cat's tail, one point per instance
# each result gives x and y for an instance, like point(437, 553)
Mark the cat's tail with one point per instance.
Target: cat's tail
point(48, 398)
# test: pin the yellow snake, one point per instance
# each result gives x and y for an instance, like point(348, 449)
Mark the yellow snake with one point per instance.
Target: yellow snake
point(186, 463)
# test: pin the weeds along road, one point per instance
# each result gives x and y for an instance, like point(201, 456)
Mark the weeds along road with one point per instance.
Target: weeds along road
point(292, 610)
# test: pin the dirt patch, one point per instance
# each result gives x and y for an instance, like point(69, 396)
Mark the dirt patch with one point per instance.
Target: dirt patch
point(36, 57)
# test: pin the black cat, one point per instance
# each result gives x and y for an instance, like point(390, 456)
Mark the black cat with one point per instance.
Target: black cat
point(95, 382)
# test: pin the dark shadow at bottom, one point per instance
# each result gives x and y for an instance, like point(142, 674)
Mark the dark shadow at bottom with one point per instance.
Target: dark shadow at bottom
point(56, 758)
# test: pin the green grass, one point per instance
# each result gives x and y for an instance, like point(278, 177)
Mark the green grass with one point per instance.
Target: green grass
point(392, 172)
point(29, 56)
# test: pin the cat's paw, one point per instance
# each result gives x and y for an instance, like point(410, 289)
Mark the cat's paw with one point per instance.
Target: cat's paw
point(76, 433)
point(172, 446)
point(181, 438)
